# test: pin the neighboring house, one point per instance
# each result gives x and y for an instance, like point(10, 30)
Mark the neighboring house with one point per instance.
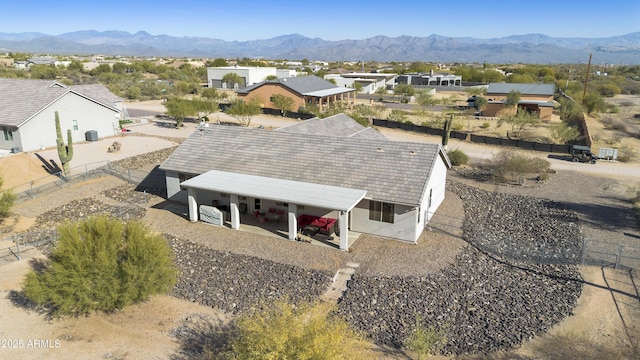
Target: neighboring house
point(535, 98)
point(249, 75)
point(374, 186)
point(27, 112)
point(370, 82)
point(430, 79)
point(304, 90)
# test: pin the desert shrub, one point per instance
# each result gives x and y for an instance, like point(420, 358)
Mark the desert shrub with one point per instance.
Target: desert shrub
point(485, 125)
point(511, 163)
point(562, 132)
point(626, 153)
point(101, 264)
point(425, 341)
point(305, 331)
point(457, 157)
point(7, 199)
point(627, 103)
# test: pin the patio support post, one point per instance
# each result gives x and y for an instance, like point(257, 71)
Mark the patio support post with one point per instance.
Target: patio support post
point(235, 213)
point(293, 221)
point(193, 204)
point(344, 230)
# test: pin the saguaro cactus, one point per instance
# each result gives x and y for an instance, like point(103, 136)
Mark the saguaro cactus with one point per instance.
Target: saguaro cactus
point(65, 153)
point(446, 132)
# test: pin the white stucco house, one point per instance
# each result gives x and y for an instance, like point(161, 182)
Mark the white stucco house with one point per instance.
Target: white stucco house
point(368, 183)
point(370, 82)
point(249, 75)
point(27, 112)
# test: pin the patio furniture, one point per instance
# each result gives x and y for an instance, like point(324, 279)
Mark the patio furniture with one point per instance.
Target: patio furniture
point(325, 225)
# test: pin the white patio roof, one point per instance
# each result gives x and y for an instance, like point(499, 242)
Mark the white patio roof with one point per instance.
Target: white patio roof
point(296, 192)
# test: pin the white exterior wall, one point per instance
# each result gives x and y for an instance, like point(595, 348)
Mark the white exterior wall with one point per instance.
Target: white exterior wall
point(403, 227)
point(40, 131)
point(435, 187)
point(285, 73)
point(252, 75)
point(173, 188)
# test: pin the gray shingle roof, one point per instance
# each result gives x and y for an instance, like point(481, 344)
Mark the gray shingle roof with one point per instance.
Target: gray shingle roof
point(21, 99)
point(97, 92)
point(303, 85)
point(390, 171)
point(335, 125)
point(524, 89)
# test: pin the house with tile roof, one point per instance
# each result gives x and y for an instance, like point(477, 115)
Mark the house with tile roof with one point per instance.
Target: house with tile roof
point(535, 98)
point(370, 185)
point(27, 112)
point(304, 90)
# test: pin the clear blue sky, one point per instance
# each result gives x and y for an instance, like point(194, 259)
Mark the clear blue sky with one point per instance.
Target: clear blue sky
point(327, 19)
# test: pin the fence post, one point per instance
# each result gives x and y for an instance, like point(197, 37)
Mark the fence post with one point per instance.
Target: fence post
point(584, 251)
point(619, 255)
point(145, 198)
point(18, 250)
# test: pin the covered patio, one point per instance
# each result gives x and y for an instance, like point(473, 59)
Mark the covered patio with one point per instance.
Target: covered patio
point(294, 193)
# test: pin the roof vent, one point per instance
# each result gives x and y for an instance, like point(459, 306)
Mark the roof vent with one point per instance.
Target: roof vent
point(413, 152)
point(380, 149)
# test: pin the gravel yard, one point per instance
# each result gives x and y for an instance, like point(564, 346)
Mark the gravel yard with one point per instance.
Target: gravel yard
point(482, 302)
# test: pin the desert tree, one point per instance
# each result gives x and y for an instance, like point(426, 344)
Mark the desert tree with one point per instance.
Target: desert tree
point(512, 99)
point(480, 102)
point(245, 110)
point(405, 91)
point(562, 132)
point(231, 80)
point(593, 102)
point(101, 264)
point(425, 98)
point(282, 103)
point(180, 110)
point(519, 121)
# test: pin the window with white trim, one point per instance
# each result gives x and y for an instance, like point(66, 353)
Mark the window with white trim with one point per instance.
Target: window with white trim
point(75, 125)
point(8, 134)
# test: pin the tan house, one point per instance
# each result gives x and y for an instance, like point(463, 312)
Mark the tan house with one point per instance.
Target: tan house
point(304, 90)
point(535, 98)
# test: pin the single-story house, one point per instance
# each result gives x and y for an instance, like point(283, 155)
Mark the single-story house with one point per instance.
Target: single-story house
point(430, 79)
point(304, 90)
point(369, 185)
point(27, 113)
point(336, 125)
point(249, 75)
point(535, 98)
point(370, 82)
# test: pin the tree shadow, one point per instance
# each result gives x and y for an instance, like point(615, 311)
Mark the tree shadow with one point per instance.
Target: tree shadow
point(617, 216)
point(51, 167)
point(202, 337)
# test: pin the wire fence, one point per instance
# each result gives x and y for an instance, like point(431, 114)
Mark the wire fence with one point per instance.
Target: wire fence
point(589, 252)
point(44, 239)
point(56, 181)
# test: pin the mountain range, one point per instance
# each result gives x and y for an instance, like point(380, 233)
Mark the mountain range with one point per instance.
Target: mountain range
point(531, 48)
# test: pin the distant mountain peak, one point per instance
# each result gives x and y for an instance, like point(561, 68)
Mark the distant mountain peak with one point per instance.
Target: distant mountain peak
point(623, 49)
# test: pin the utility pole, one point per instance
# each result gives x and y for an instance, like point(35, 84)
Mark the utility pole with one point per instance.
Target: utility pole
point(586, 80)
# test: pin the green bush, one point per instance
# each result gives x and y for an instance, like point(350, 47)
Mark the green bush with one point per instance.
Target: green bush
point(457, 157)
point(101, 264)
point(511, 163)
point(305, 331)
point(485, 125)
point(425, 341)
point(7, 199)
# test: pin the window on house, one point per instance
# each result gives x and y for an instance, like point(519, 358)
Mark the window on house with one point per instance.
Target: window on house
point(381, 211)
point(8, 134)
point(256, 204)
point(280, 203)
point(224, 195)
point(75, 125)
